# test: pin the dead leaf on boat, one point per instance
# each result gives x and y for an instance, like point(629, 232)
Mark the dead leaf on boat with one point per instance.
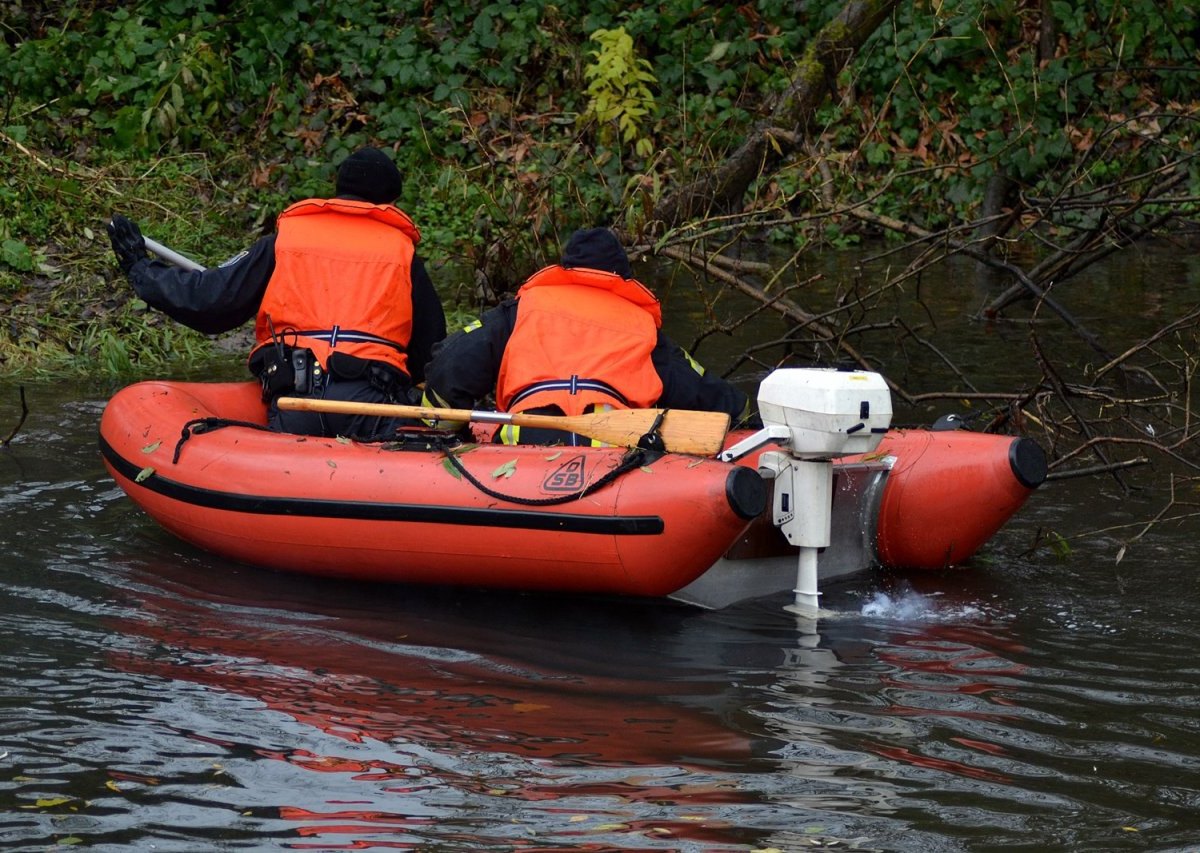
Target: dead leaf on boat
point(506, 470)
point(526, 707)
point(554, 456)
point(145, 474)
point(150, 448)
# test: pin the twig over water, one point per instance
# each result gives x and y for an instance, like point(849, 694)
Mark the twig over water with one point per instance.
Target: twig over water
point(21, 421)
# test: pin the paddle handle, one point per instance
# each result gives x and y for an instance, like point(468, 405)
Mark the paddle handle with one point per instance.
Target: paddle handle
point(171, 256)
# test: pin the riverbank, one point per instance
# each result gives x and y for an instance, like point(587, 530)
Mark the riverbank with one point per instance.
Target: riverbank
point(515, 124)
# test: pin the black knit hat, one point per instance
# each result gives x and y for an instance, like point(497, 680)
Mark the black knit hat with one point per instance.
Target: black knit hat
point(370, 175)
point(596, 249)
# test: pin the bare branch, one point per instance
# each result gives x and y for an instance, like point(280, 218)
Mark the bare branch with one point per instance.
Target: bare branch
point(20, 421)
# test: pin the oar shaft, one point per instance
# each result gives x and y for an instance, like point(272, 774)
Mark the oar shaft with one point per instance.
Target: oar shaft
point(391, 410)
point(397, 410)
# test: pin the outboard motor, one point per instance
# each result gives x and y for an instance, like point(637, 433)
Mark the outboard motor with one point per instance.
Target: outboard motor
point(816, 415)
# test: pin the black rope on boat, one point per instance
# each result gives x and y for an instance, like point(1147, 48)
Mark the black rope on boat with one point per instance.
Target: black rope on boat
point(402, 439)
point(635, 458)
point(652, 440)
point(203, 425)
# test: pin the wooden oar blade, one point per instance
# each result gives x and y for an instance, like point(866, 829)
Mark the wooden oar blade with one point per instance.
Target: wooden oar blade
point(699, 433)
point(682, 430)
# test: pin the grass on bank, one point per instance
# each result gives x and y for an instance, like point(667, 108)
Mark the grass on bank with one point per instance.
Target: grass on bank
point(68, 310)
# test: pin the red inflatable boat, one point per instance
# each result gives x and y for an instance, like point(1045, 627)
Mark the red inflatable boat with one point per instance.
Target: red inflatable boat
point(197, 458)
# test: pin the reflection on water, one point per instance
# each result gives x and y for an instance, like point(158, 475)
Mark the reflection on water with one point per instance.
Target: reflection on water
point(523, 712)
point(154, 695)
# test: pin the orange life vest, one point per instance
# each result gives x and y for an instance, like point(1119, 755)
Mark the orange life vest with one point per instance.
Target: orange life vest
point(582, 338)
point(342, 281)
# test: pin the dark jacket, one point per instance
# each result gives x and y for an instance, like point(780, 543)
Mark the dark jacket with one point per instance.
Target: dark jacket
point(465, 366)
point(222, 298)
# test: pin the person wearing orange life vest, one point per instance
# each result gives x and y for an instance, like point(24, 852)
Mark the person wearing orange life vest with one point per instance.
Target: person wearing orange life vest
point(344, 308)
point(579, 335)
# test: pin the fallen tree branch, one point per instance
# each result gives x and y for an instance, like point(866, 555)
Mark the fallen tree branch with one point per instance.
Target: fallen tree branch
point(966, 248)
point(1148, 342)
point(1116, 226)
point(1092, 471)
point(20, 421)
point(785, 307)
point(1096, 441)
point(722, 188)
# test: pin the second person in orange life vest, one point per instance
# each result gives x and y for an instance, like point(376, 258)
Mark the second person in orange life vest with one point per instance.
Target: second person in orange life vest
point(344, 308)
point(580, 335)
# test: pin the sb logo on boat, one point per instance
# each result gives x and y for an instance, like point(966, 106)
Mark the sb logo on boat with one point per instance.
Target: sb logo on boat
point(567, 477)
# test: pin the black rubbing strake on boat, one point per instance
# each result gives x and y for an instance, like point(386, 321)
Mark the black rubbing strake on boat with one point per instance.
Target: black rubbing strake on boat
point(525, 519)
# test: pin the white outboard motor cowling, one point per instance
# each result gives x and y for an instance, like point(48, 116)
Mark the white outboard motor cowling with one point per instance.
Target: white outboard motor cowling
point(816, 414)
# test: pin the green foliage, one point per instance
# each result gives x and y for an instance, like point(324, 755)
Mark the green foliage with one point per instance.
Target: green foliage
point(296, 85)
point(206, 119)
point(1058, 545)
point(67, 308)
point(170, 88)
point(956, 93)
point(16, 255)
point(619, 89)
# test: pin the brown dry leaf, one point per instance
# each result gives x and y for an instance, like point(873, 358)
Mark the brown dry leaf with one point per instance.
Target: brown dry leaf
point(526, 707)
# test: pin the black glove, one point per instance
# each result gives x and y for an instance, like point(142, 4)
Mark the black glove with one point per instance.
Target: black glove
point(127, 242)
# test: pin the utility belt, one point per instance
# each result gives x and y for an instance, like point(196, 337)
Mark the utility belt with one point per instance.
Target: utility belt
point(284, 369)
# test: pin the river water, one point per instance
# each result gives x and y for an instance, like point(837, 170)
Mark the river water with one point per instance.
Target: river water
point(156, 697)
